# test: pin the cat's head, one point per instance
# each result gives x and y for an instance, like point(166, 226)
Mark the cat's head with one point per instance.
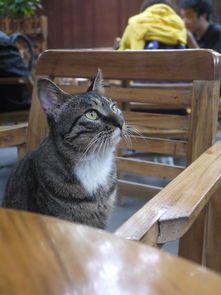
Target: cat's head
point(88, 122)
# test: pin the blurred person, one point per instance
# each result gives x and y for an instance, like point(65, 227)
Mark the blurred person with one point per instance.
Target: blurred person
point(201, 32)
point(157, 26)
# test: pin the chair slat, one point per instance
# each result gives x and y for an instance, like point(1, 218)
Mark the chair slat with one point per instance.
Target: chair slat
point(147, 168)
point(161, 121)
point(137, 190)
point(161, 132)
point(15, 116)
point(176, 95)
point(155, 145)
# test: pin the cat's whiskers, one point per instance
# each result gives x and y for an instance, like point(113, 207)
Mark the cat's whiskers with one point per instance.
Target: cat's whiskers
point(127, 139)
point(102, 138)
point(105, 144)
point(132, 130)
point(97, 144)
point(113, 177)
point(91, 144)
point(94, 145)
point(126, 136)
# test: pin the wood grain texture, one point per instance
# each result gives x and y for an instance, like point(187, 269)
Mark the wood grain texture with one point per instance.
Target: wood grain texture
point(43, 255)
point(85, 63)
point(13, 117)
point(191, 244)
point(203, 122)
point(205, 114)
point(177, 206)
point(147, 168)
point(212, 254)
point(13, 135)
point(155, 145)
point(37, 123)
point(137, 190)
point(162, 94)
point(160, 121)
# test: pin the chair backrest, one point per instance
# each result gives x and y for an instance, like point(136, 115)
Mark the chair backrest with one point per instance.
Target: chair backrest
point(171, 79)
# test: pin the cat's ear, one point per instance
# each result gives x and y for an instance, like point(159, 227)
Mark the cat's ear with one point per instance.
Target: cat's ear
point(97, 83)
point(50, 95)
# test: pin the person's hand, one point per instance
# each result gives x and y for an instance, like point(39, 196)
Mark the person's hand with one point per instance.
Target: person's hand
point(191, 41)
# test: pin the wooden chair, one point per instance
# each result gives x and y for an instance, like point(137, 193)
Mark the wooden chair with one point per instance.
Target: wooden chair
point(26, 51)
point(199, 69)
point(13, 124)
point(44, 255)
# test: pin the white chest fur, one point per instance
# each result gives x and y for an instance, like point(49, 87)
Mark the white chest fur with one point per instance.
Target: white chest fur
point(94, 170)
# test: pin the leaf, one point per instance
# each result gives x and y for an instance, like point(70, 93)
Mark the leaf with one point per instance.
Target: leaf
point(24, 7)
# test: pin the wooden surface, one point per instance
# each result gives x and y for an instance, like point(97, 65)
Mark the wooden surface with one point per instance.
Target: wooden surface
point(176, 207)
point(157, 94)
point(181, 61)
point(13, 135)
point(72, 32)
point(13, 117)
point(43, 255)
point(213, 237)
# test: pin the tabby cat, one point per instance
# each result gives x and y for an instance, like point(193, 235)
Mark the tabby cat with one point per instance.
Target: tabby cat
point(72, 174)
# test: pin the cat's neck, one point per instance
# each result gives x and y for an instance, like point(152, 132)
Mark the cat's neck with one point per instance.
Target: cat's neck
point(94, 170)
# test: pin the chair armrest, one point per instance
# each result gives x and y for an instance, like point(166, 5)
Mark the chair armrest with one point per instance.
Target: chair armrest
point(173, 210)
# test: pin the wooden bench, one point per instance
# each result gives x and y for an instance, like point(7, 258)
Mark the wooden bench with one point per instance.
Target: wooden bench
point(198, 70)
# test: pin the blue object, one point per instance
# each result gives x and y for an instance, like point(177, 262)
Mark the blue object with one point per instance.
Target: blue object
point(154, 44)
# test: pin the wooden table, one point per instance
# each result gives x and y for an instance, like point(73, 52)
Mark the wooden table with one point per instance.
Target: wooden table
point(43, 255)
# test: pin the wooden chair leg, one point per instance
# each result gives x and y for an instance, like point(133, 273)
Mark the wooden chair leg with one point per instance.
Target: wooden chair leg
point(191, 245)
point(213, 233)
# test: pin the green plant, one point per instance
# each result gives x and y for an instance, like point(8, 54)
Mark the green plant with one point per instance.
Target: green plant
point(19, 7)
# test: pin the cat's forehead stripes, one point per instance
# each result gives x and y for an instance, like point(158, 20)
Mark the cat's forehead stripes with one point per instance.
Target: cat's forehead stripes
point(101, 99)
point(107, 99)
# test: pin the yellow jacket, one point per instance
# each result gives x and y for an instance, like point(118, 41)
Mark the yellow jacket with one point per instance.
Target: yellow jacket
point(158, 22)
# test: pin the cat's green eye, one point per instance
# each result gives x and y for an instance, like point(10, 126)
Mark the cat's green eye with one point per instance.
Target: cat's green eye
point(114, 108)
point(92, 115)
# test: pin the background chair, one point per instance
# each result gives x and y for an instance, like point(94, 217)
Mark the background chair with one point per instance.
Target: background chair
point(13, 124)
